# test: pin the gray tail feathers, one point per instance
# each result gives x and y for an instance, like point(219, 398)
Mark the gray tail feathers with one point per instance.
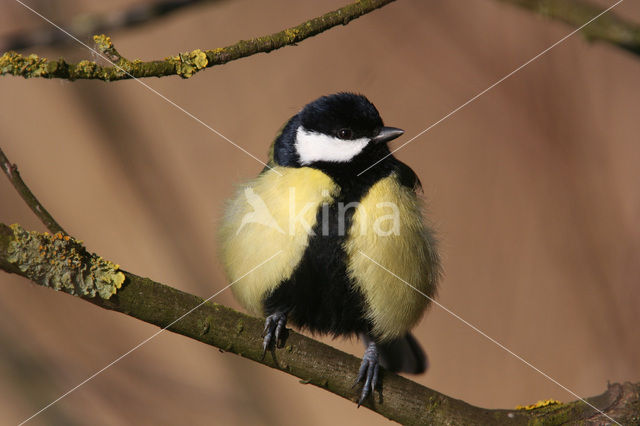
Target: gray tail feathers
point(403, 355)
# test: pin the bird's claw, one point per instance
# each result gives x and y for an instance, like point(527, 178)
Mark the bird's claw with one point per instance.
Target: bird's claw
point(369, 372)
point(274, 331)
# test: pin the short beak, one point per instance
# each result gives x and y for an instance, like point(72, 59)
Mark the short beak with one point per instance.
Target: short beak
point(387, 134)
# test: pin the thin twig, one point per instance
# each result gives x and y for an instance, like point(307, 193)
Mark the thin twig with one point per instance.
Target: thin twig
point(11, 170)
point(610, 28)
point(184, 64)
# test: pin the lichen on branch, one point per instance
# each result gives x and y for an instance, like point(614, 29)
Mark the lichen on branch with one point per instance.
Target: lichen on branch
point(184, 64)
point(314, 362)
point(62, 263)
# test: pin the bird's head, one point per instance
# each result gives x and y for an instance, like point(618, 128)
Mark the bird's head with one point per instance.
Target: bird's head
point(334, 130)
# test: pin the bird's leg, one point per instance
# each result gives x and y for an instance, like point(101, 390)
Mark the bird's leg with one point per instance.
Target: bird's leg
point(274, 331)
point(369, 369)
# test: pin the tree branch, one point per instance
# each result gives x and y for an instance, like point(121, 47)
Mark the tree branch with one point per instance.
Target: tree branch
point(85, 25)
point(184, 64)
point(11, 170)
point(609, 28)
point(313, 362)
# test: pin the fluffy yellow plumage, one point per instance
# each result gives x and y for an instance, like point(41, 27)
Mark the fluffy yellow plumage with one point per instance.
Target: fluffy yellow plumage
point(292, 200)
point(284, 190)
point(393, 307)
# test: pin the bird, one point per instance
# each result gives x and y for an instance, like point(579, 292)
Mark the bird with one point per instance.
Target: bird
point(346, 218)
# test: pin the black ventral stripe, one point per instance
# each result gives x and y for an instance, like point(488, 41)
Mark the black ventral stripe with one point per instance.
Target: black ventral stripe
point(319, 295)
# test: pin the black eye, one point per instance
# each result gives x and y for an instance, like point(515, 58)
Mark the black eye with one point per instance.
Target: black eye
point(345, 133)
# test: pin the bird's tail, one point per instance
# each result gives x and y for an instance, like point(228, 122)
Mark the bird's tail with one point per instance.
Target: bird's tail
point(403, 355)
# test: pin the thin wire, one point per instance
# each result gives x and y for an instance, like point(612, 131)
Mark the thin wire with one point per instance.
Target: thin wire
point(142, 343)
point(149, 87)
point(493, 340)
point(493, 85)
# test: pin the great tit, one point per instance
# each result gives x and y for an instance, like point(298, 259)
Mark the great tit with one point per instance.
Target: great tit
point(331, 222)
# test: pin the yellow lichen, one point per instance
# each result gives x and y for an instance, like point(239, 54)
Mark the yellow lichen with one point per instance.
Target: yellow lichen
point(189, 63)
point(87, 67)
point(103, 42)
point(199, 58)
point(16, 64)
point(291, 34)
point(62, 263)
point(539, 404)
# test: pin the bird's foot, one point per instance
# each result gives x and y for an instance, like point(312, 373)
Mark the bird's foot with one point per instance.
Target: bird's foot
point(369, 370)
point(274, 331)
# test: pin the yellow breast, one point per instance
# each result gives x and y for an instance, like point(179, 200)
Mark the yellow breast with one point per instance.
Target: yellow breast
point(387, 226)
point(270, 214)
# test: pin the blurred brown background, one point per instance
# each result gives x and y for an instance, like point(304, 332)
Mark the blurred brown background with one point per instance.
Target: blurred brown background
point(533, 189)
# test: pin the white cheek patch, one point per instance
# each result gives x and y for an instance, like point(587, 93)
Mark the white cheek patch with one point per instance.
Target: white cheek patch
point(314, 146)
